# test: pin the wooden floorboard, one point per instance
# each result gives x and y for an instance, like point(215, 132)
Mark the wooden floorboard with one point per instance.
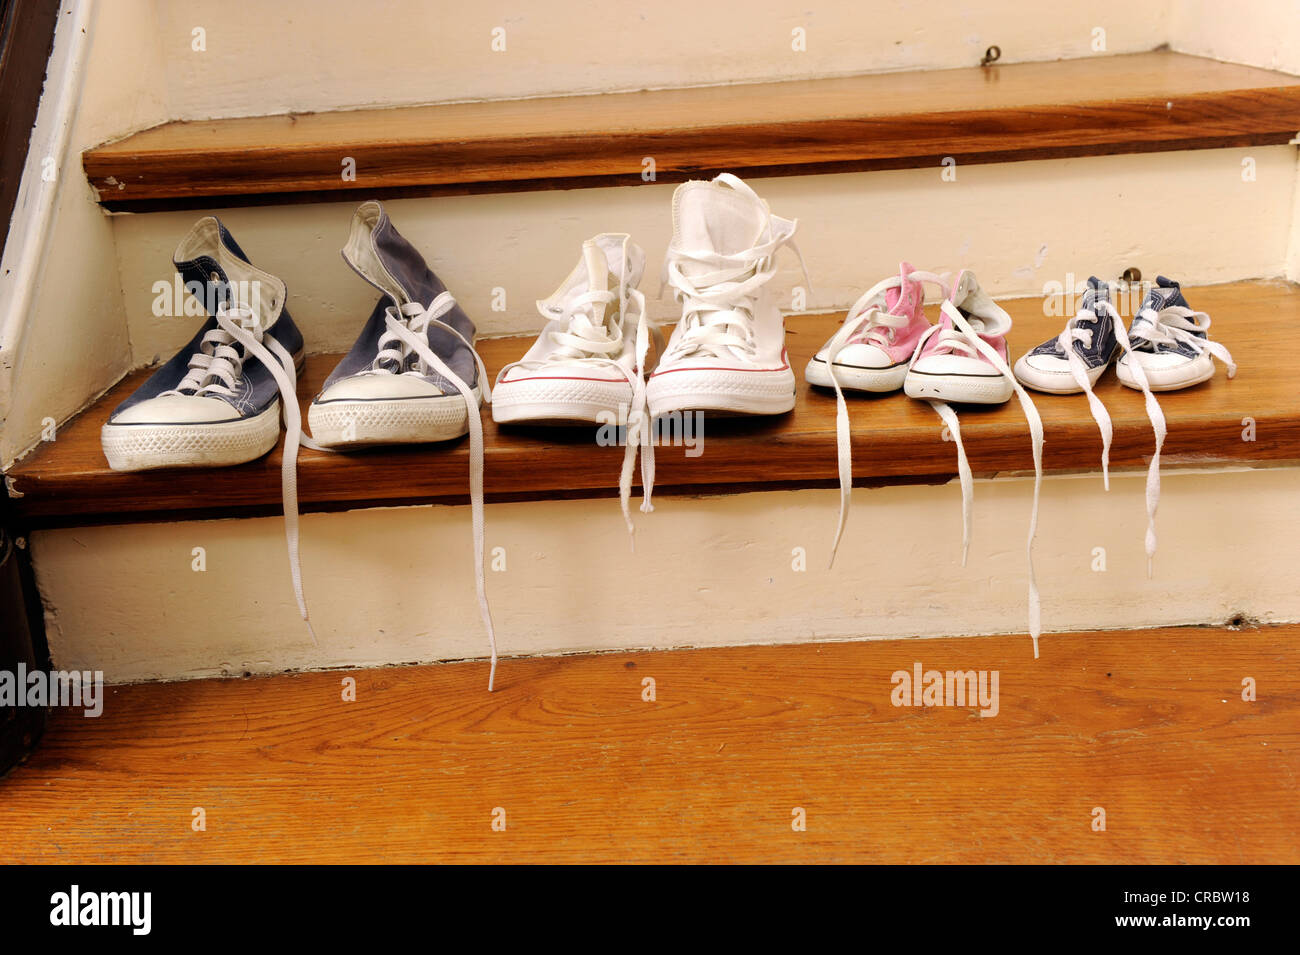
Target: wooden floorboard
point(1149, 726)
point(894, 437)
point(1104, 104)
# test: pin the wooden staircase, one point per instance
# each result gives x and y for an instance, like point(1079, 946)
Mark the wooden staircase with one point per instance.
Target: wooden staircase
point(896, 439)
point(581, 766)
point(1099, 106)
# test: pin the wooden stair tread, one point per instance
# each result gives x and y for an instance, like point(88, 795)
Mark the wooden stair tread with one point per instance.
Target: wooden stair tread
point(895, 438)
point(1148, 724)
point(1106, 104)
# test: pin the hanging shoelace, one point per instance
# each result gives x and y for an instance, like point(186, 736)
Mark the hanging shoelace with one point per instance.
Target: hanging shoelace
point(408, 327)
point(584, 341)
point(216, 369)
point(1172, 325)
point(217, 373)
point(867, 322)
point(963, 338)
point(1076, 332)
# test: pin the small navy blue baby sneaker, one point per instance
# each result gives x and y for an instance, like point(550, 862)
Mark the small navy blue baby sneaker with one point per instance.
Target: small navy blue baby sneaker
point(1170, 343)
point(1089, 336)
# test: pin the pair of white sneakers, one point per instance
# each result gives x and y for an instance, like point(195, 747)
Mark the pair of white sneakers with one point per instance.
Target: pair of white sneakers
point(726, 355)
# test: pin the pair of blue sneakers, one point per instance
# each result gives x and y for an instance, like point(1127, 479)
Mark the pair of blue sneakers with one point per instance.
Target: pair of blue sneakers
point(1166, 348)
point(413, 375)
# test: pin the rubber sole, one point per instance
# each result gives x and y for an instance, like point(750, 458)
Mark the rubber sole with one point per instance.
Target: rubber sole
point(145, 447)
point(1155, 384)
point(560, 401)
point(964, 389)
point(1054, 384)
point(359, 424)
point(726, 392)
point(853, 378)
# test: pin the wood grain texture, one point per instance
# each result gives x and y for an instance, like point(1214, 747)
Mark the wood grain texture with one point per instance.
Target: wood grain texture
point(1107, 104)
point(894, 437)
point(1149, 725)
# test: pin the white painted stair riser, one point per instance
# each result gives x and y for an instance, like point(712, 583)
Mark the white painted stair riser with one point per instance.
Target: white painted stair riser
point(1021, 226)
point(396, 585)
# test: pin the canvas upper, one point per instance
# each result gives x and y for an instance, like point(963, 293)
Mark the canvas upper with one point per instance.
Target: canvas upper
point(218, 273)
point(380, 255)
point(1096, 349)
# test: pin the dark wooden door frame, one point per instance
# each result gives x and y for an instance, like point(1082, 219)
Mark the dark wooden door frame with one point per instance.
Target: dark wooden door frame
point(26, 39)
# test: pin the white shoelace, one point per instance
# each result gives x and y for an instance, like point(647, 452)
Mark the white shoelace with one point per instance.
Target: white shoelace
point(718, 306)
point(216, 373)
point(1075, 332)
point(868, 322)
point(583, 341)
point(219, 376)
point(962, 337)
point(1171, 325)
point(409, 326)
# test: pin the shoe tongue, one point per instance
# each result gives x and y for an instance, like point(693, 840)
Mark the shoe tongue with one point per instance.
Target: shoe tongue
point(1164, 293)
point(712, 217)
point(593, 257)
point(902, 297)
point(382, 257)
point(1097, 291)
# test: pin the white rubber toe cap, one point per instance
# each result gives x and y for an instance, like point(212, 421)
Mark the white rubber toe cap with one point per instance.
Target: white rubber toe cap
point(1050, 373)
point(379, 387)
point(562, 371)
point(860, 355)
point(1166, 371)
point(177, 409)
point(954, 365)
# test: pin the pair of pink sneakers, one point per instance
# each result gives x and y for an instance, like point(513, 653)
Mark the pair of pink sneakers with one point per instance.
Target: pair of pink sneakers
point(887, 343)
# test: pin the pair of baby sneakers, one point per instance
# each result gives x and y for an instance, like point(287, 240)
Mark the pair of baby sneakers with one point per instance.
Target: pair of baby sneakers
point(1166, 348)
point(886, 343)
point(726, 354)
point(412, 376)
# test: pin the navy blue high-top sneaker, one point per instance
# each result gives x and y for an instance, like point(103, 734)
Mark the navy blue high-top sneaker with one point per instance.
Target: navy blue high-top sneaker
point(413, 371)
point(1090, 335)
point(1167, 347)
point(1074, 360)
point(413, 375)
point(1171, 342)
point(217, 401)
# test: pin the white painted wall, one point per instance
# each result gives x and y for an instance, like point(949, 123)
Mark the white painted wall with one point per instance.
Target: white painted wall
point(1018, 225)
point(397, 586)
point(1263, 33)
point(66, 340)
point(303, 55)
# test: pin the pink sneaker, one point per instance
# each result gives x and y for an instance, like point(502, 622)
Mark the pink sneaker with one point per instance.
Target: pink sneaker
point(870, 352)
point(964, 359)
point(950, 365)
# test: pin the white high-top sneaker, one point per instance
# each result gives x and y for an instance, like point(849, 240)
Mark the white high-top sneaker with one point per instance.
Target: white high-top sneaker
point(588, 364)
point(727, 352)
point(589, 359)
